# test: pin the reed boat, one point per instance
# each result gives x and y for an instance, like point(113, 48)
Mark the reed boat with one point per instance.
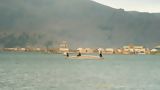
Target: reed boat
point(86, 57)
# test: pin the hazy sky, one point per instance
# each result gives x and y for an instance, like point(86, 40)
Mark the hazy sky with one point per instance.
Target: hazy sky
point(133, 5)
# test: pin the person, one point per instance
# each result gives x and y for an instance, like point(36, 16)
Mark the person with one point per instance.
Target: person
point(67, 54)
point(79, 54)
point(100, 54)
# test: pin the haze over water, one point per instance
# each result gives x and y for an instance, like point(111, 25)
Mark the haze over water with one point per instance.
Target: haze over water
point(38, 71)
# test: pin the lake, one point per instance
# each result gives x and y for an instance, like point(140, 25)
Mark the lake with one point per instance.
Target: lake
point(39, 71)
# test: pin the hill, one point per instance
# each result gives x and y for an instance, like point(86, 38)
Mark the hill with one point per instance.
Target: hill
point(83, 23)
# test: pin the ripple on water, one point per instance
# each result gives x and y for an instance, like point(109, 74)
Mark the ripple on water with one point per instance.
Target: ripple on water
point(36, 71)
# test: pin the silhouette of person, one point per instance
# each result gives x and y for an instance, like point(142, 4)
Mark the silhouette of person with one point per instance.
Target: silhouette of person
point(79, 54)
point(100, 54)
point(67, 54)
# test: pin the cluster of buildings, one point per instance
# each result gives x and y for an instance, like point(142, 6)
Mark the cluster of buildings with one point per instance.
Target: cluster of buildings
point(129, 49)
point(45, 50)
point(63, 47)
point(124, 50)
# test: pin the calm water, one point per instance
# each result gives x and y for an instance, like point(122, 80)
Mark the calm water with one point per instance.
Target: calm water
point(37, 71)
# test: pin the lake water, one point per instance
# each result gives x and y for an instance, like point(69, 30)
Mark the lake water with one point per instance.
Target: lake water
point(38, 71)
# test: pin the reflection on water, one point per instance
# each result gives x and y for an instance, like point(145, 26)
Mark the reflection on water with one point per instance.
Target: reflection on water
point(37, 71)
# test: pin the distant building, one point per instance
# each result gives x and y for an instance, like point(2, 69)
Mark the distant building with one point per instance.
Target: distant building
point(118, 51)
point(131, 49)
point(109, 51)
point(139, 50)
point(21, 49)
point(155, 50)
point(63, 47)
point(14, 49)
point(85, 50)
point(10, 49)
point(101, 50)
point(128, 49)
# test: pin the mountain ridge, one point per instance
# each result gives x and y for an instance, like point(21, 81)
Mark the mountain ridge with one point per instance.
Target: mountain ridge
point(83, 23)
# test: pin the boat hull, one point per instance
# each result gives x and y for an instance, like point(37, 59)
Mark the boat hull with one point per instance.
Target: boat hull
point(85, 57)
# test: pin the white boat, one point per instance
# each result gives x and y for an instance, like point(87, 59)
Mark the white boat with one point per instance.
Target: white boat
point(86, 57)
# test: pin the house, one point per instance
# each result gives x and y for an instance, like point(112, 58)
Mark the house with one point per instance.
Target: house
point(131, 49)
point(118, 51)
point(139, 50)
point(85, 50)
point(156, 50)
point(109, 51)
point(101, 49)
point(128, 49)
point(63, 47)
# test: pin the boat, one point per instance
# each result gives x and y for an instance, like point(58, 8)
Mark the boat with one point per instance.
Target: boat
point(91, 57)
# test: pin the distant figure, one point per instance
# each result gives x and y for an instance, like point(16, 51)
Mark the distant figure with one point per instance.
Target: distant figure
point(67, 54)
point(79, 54)
point(100, 54)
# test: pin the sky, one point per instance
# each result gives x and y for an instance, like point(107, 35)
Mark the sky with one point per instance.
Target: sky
point(152, 6)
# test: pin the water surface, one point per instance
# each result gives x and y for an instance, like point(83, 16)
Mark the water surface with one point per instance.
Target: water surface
point(39, 71)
